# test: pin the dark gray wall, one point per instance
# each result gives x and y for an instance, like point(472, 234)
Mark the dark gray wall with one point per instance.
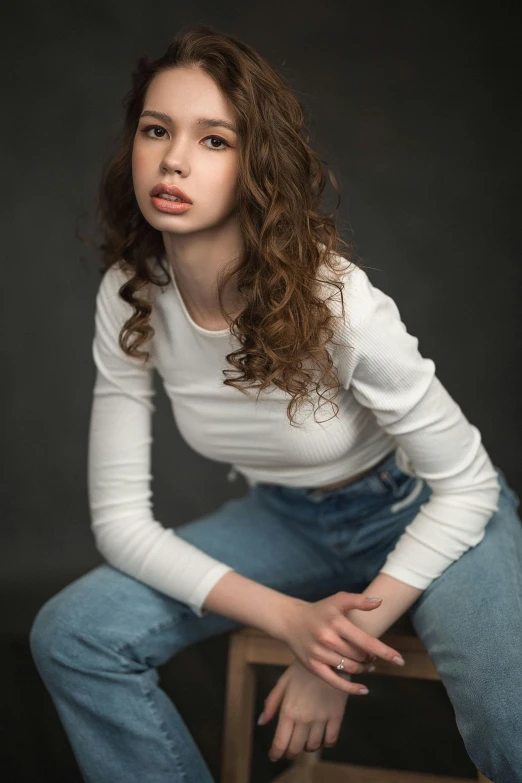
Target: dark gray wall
point(415, 106)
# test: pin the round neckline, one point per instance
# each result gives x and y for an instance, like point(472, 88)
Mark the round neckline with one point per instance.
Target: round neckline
point(197, 327)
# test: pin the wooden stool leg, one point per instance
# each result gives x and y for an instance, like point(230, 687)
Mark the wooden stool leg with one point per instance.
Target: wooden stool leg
point(482, 778)
point(239, 707)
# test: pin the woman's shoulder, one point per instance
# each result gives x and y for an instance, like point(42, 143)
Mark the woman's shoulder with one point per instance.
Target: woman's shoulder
point(346, 284)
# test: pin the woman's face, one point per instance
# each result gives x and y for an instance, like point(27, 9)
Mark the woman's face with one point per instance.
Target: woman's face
point(174, 149)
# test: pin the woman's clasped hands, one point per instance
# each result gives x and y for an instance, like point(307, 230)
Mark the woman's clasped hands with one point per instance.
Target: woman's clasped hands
point(311, 695)
point(320, 634)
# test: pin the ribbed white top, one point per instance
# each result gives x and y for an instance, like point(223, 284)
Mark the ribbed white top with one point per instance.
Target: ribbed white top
point(390, 398)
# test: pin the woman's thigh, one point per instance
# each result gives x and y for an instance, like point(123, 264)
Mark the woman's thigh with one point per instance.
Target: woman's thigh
point(470, 622)
point(477, 600)
point(115, 611)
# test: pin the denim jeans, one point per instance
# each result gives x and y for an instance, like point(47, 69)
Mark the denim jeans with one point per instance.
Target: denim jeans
point(98, 641)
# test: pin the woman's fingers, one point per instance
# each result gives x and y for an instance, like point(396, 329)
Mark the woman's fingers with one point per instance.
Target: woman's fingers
point(331, 734)
point(298, 740)
point(274, 698)
point(315, 736)
point(304, 737)
point(283, 737)
point(337, 681)
point(351, 633)
point(333, 658)
point(345, 602)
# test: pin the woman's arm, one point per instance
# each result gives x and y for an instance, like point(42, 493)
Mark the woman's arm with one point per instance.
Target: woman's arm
point(397, 597)
point(120, 439)
point(251, 603)
point(386, 373)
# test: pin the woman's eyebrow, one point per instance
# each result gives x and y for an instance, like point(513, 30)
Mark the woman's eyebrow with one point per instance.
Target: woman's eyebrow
point(207, 122)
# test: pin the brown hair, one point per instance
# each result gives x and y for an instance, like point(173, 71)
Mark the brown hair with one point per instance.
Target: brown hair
point(285, 235)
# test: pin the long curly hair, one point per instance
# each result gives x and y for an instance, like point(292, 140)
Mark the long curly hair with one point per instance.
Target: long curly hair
point(287, 239)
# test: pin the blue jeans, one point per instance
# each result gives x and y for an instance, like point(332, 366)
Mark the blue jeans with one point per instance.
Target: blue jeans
point(98, 641)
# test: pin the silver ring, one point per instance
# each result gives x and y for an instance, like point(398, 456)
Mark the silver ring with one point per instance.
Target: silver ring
point(340, 666)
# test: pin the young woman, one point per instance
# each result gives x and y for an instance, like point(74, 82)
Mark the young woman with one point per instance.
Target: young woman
point(216, 253)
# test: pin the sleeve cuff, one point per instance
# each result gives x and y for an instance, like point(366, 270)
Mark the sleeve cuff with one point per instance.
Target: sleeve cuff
point(205, 586)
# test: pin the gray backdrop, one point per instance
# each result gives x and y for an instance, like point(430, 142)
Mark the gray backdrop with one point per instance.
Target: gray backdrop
point(416, 107)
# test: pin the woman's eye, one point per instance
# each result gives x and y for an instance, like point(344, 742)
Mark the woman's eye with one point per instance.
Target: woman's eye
point(153, 127)
point(217, 138)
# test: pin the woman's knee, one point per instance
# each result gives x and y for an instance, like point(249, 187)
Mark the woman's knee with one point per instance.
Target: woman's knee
point(105, 619)
point(47, 633)
point(67, 620)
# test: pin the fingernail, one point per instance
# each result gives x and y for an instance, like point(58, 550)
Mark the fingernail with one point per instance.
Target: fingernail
point(371, 668)
point(399, 660)
point(261, 718)
point(374, 600)
point(364, 691)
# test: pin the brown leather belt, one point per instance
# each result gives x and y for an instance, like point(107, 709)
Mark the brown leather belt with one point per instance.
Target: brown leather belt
point(320, 490)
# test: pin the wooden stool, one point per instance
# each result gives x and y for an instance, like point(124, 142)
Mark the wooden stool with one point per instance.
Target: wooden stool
point(249, 646)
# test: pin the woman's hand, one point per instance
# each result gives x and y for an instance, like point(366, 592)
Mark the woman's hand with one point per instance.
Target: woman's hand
point(320, 634)
point(310, 716)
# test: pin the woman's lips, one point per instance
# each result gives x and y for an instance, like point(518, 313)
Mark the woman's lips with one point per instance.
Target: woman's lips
point(172, 207)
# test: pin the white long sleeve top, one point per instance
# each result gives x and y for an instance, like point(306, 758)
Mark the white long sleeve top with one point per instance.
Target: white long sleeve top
point(390, 398)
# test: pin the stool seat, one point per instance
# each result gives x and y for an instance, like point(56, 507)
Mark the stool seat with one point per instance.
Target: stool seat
point(248, 647)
